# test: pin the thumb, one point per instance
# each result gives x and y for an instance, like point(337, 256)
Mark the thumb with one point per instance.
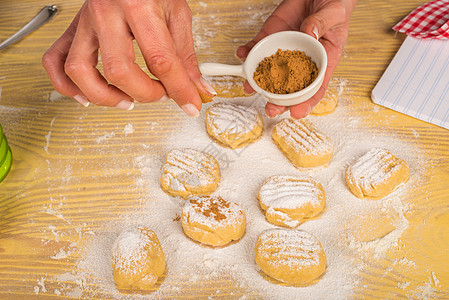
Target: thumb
point(243, 51)
point(325, 18)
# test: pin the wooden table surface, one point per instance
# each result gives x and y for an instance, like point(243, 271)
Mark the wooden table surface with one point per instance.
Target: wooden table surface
point(65, 185)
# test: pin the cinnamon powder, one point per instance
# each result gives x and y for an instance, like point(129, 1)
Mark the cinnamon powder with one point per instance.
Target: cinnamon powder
point(212, 209)
point(286, 72)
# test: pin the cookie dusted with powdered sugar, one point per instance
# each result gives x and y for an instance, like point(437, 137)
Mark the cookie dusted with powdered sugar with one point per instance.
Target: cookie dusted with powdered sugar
point(233, 126)
point(189, 172)
point(137, 259)
point(212, 220)
point(291, 256)
point(376, 174)
point(302, 143)
point(291, 200)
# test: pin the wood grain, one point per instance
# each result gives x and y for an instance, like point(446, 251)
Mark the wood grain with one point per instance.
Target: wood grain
point(42, 211)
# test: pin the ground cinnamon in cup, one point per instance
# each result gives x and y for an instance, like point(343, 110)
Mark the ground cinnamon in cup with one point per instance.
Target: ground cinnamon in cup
point(285, 72)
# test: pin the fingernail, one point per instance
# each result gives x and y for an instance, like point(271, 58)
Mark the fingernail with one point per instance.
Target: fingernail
point(206, 85)
point(241, 53)
point(163, 98)
point(125, 104)
point(82, 100)
point(315, 32)
point(190, 110)
point(269, 113)
point(295, 118)
point(309, 109)
point(274, 112)
point(247, 91)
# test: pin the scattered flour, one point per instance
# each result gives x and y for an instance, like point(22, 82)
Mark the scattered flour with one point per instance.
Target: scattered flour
point(407, 262)
point(40, 287)
point(62, 254)
point(242, 173)
point(48, 136)
point(55, 96)
point(427, 290)
point(435, 280)
point(105, 137)
point(128, 129)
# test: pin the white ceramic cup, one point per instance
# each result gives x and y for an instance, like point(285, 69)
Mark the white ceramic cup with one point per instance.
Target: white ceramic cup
point(285, 40)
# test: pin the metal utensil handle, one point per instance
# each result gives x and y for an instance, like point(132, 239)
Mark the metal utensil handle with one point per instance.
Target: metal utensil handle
point(40, 19)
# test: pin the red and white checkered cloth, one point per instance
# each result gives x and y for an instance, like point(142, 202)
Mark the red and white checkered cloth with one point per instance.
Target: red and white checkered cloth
point(428, 21)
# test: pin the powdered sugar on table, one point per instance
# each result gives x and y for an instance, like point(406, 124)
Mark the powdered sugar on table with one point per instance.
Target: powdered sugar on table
point(191, 266)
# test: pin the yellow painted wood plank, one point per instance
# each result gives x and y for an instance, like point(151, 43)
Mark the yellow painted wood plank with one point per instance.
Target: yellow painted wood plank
point(32, 229)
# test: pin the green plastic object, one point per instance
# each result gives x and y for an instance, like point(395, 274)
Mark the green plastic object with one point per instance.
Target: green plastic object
point(6, 166)
point(5, 156)
point(3, 148)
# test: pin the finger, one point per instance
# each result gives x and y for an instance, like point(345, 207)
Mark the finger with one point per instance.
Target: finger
point(158, 49)
point(180, 27)
point(273, 110)
point(285, 17)
point(117, 54)
point(247, 88)
point(303, 109)
point(53, 62)
point(81, 68)
point(267, 29)
point(326, 18)
point(243, 51)
point(333, 52)
point(272, 25)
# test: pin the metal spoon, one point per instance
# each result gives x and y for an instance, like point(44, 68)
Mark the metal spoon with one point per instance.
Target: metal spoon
point(40, 19)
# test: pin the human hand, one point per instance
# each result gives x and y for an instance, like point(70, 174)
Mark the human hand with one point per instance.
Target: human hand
point(325, 20)
point(163, 31)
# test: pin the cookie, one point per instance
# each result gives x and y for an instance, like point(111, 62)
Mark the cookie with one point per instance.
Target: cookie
point(291, 200)
point(137, 259)
point(291, 256)
point(205, 98)
point(376, 174)
point(302, 143)
point(189, 172)
point(372, 226)
point(233, 126)
point(327, 104)
point(213, 221)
